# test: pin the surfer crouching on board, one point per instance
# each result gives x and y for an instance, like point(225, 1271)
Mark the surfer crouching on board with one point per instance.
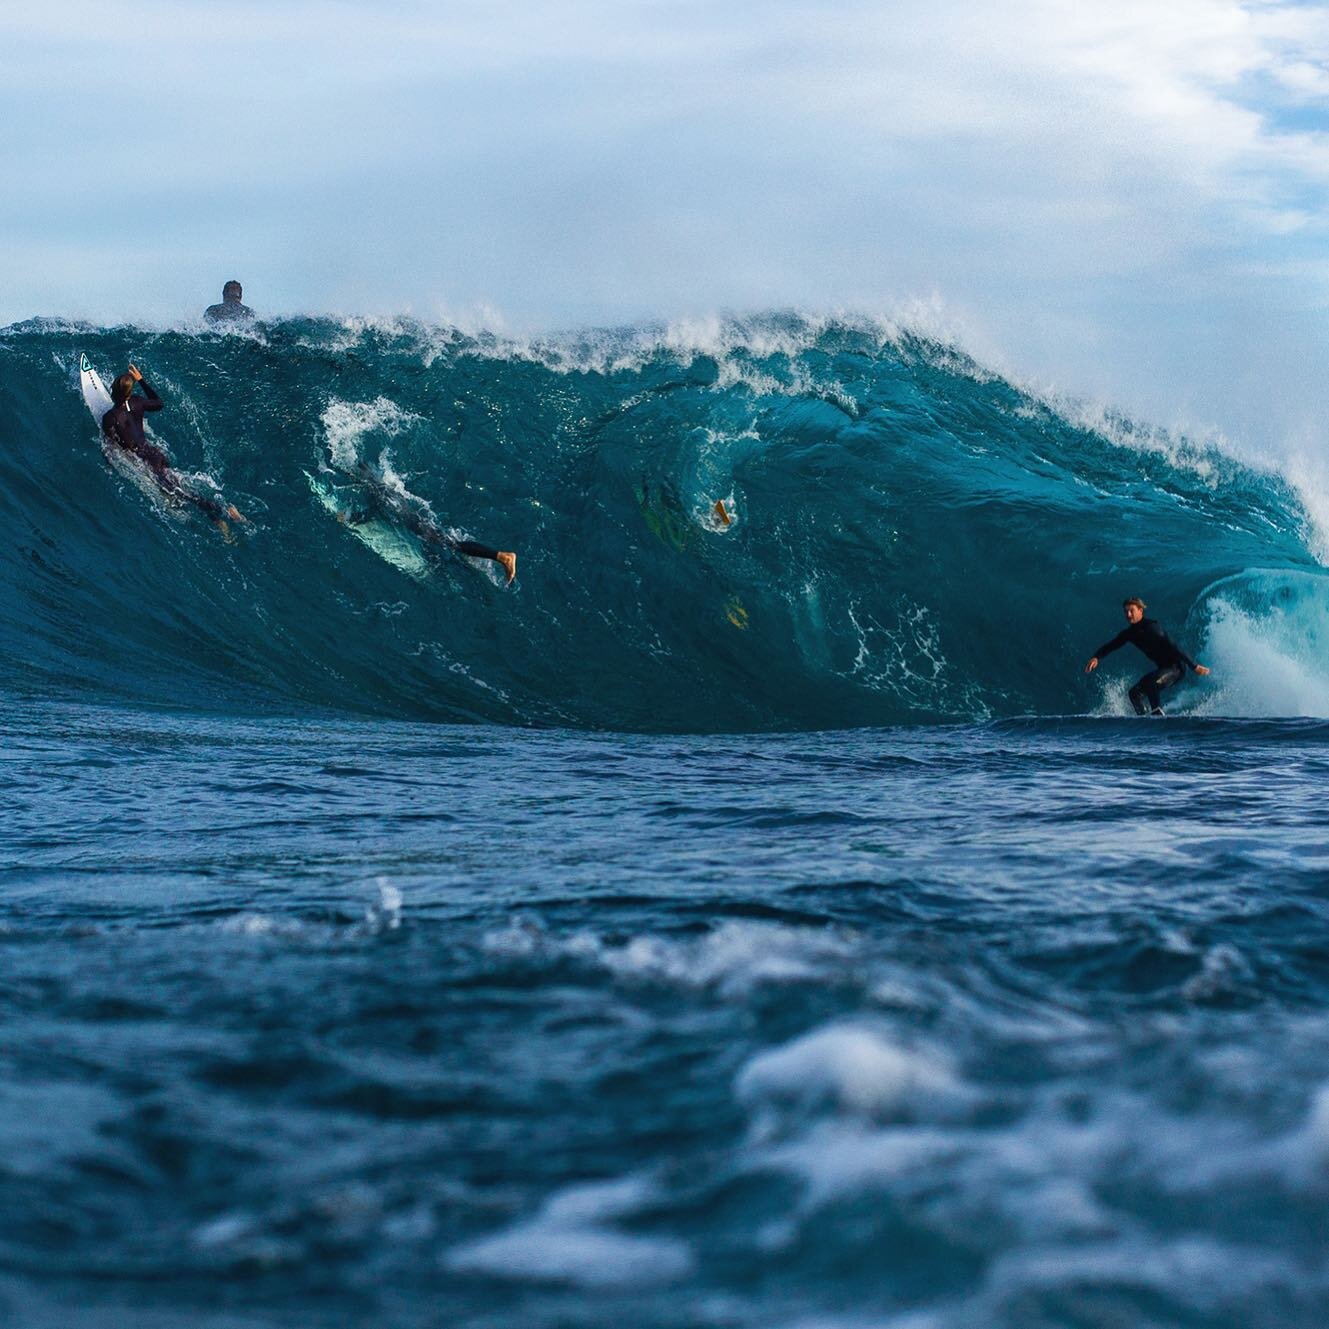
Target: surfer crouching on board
point(395, 507)
point(1169, 659)
point(123, 427)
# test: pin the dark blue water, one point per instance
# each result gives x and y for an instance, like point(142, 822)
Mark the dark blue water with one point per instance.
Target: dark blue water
point(346, 1022)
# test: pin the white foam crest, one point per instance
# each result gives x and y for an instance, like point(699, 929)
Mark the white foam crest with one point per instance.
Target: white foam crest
point(345, 423)
point(393, 480)
point(1268, 664)
point(1108, 423)
point(835, 1159)
point(714, 337)
point(734, 958)
point(1223, 971)
point(848, 1069)
point(252, 924)
point(1309, 478)
point(1201, 1272)
point(573, 1240)
point(384, 915)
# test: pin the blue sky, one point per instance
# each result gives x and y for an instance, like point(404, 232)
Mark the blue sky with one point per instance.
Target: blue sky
point(1124, 199)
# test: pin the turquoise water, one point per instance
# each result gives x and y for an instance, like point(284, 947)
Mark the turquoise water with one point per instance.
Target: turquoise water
point(724, 927)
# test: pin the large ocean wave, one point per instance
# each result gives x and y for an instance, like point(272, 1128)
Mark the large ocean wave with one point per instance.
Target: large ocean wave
point(912, 538)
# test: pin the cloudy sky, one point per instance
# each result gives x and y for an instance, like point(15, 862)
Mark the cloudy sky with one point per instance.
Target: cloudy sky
point(1122, 199)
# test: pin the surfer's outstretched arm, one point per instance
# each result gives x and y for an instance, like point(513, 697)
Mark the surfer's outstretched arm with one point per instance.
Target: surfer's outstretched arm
point(1107, 648)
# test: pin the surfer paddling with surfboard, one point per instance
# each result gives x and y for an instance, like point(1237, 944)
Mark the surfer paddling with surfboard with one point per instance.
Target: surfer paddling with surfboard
point(1147, 635)
point(396, 507)
point(123, 427)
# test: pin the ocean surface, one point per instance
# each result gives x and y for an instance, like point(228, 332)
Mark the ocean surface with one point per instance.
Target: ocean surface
point(762, 925)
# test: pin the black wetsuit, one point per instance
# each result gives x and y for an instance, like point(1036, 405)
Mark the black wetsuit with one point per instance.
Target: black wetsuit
point(393, 506)
point(123, 426)
point(1170, 661)
point(228, 311)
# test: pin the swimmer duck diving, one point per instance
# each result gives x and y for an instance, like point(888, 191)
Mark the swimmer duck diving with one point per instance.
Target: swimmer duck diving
point(1147, 635)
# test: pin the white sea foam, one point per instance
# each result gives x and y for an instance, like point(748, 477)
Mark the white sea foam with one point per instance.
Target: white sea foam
point(384, 915)
point(345, 423)
point(733, 958)
point(836, 1158)
point(1199, 1271)
point(572, 1239)
point(1269, 651)
point(848, 1068)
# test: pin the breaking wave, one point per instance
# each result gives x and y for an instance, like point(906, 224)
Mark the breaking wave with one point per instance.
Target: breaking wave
point(905, 536)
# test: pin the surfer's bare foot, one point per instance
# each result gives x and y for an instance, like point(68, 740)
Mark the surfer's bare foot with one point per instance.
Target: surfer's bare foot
point(509, 562)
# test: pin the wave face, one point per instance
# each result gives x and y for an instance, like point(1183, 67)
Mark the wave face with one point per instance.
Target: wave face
point(912, 539)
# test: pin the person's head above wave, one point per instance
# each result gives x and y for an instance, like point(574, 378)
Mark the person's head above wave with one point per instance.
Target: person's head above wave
point(230, 307)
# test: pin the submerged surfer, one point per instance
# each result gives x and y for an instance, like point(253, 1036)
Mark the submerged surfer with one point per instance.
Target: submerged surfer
point(395, 507)
point(230, 308)
point(1170, 660)
point(123, 426)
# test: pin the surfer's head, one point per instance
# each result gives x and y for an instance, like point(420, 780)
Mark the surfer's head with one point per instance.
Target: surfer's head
point(122, 389)
point(232, 291)
point(1133, 609)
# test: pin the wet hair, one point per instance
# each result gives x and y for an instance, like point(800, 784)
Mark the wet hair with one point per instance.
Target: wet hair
point(1134, 600)
point(232, 291)
point(122, 389)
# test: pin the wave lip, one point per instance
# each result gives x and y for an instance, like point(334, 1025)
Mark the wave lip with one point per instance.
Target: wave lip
point(911, 538)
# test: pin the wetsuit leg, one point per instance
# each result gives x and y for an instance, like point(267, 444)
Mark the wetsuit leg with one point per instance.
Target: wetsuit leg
point(1148, 688)
point(473, 550)
point(211, 510)
point(170, 484)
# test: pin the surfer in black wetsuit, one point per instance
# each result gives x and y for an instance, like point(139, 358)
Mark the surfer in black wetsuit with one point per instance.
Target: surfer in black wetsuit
point(396, 507)
point(123, 427)
point(230, 310)
point(1170, 661)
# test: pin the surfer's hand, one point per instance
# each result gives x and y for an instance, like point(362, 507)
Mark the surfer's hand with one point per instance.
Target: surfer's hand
point(1201, 669)
point(134, 374)
point(1091, 666)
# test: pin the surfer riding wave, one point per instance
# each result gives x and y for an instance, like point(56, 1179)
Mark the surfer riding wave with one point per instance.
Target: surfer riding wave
point(122, 426)
point(1148, 636)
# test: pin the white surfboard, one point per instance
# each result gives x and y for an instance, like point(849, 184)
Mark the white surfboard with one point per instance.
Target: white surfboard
point(386, 540)
point(94, 390)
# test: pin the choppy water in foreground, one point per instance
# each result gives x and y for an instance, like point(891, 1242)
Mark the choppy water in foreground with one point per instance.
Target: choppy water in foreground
point(312, 1023)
